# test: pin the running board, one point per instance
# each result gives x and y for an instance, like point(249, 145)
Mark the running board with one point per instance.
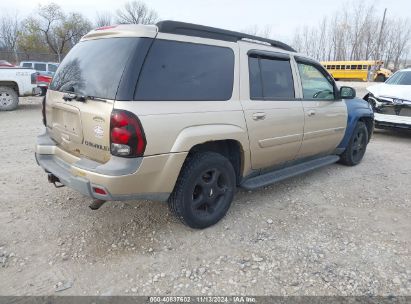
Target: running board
point(281, 174)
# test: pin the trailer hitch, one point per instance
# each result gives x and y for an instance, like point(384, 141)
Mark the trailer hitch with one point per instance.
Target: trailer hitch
point(54, 180)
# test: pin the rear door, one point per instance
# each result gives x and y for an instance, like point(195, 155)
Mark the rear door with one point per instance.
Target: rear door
point(81, 96)
point(274, 115)
point(324, 111)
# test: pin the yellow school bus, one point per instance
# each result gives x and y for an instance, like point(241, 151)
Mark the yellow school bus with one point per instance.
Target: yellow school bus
point(367, 70)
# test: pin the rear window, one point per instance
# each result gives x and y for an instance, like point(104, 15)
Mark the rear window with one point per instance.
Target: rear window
point(40, 67)
point(94, 67)
point(186, 71)
point(27, 65)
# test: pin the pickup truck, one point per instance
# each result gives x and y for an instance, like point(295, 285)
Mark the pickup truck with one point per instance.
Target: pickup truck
point(16, 82)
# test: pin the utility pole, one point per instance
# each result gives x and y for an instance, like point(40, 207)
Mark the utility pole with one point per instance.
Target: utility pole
point(377, 53)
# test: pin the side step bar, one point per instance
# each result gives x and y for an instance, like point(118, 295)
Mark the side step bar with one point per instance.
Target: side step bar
point(281, 174)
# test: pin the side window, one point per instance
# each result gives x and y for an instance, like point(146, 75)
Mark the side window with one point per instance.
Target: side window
point(315, 84)
point(40, 67)
point(52, 67)
point(270, 78)
point(27, 65)
point(186, 71)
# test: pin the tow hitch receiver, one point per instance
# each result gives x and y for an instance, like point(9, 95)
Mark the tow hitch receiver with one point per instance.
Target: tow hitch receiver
point(96, 204)
point(54, 180)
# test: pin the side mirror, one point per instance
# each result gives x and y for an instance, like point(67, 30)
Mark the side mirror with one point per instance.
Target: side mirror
point(347, 93)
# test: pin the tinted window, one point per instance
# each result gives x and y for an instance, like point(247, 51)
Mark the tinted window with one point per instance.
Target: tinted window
point(337, 67)
point(333, 67)
point(315, 84)
point(353, 67)
point(343, 67)
point(40, 67)
point(27, 65)
point(186, 71)
point(94, 67)
point(270, 78)
point(52, 68)
point(256, 85)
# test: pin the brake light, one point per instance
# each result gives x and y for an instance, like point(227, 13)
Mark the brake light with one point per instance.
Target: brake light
point(42, 78)
point(127, 137)
point(43, 111)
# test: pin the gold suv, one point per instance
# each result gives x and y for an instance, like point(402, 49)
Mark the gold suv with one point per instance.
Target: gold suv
point(186, 113)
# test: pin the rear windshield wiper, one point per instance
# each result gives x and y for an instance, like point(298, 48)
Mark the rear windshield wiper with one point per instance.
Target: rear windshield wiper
point(80, 98)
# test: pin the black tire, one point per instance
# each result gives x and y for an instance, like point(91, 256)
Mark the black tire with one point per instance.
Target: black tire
point(43, 91)
point(9, 99)
point(356, 147)
point(204, 190)
point(380, 78)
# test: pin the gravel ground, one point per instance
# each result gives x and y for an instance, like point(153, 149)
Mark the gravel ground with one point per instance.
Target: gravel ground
point(334, 231)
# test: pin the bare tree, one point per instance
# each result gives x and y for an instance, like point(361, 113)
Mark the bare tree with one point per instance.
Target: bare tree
point(136, 12)
point(58, 30)
point(353, 33)
point(103, 19)
point(255, 30)
point(9, 32)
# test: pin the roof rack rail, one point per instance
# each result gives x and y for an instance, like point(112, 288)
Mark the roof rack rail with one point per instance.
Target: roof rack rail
point(189, 29)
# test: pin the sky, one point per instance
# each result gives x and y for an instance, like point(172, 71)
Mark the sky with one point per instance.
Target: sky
point(283, 17)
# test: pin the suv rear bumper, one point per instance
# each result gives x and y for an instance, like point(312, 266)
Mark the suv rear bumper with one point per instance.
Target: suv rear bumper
point(150, 178)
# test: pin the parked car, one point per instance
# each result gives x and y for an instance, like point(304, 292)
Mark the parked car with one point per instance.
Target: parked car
point(391, 101)
point(15, 82)
point(186, 113)
point(45, 71)
point(4, 63)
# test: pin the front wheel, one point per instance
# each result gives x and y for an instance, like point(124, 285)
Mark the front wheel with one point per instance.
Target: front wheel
point(356, 147)
point(204, 190)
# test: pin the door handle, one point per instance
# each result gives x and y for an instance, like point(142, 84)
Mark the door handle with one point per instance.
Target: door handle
point(311, 112)
point(259, 116)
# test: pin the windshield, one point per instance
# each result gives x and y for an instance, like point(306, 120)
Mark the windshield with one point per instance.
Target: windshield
point(400, 78)
point(94, 67)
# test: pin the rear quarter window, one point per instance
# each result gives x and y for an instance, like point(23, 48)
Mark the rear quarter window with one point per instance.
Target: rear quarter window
point(186, 71)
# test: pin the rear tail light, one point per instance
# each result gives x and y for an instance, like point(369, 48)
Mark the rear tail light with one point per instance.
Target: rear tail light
point(33, 78)
point(43, 110)
point(127, 137)
point(42, 78)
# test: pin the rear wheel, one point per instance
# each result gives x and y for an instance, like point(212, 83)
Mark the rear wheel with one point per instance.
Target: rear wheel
point(380, 78)
point(356, 147)
point(8, 99)
point(204, 190)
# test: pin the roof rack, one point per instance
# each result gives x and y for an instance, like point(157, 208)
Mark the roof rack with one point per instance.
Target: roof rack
point(189, 29)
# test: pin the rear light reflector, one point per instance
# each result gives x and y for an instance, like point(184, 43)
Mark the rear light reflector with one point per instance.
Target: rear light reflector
point(99, 191)
point(127, 137)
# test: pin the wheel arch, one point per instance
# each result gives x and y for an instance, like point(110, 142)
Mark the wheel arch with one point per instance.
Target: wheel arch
point(358, 109)
point(229, 148)
point(14, 85)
